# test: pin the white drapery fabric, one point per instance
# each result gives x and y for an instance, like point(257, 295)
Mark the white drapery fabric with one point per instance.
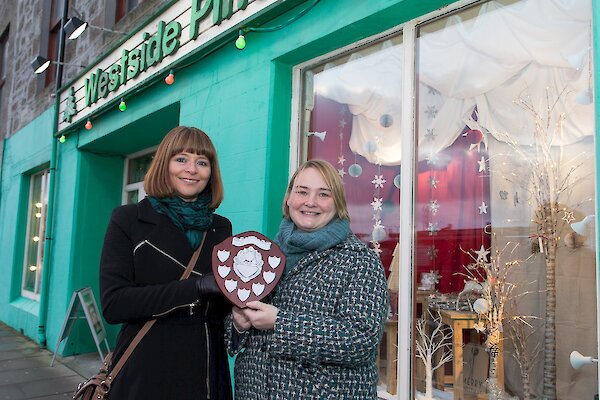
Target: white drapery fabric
point(533, 49)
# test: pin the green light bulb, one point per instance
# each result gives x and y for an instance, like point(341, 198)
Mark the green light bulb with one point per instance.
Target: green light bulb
point(122, 105)
point(240, 43)
point(62, 139)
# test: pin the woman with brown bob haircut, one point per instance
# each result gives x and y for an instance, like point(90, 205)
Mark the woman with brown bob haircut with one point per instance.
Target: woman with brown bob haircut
point(191, 140)
point(146, 249)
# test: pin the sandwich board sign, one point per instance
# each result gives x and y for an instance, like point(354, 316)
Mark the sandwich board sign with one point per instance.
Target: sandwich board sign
point(83, 306)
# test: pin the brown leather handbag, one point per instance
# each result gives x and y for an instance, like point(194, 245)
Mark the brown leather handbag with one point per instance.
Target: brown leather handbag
point(98, 386)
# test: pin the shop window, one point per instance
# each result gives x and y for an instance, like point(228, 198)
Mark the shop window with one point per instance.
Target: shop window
point(360, 135)
point(35, 237)
point(504, 184)
point(506, 164)
point(136, 167)
point(124, 7)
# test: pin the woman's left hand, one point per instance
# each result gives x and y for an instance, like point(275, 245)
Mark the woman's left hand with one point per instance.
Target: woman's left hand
point(261, 315)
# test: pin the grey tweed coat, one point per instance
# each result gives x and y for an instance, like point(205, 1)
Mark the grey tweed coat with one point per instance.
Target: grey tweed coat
point(332, 311)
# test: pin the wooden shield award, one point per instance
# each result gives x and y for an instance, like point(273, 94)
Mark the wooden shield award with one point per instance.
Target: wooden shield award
point(247, 267)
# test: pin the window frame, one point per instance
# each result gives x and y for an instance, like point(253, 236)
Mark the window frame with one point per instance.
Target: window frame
point(45, 178)
point(136, 186)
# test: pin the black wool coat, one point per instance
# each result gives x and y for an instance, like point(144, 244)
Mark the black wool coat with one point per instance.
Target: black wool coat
point(182, 356)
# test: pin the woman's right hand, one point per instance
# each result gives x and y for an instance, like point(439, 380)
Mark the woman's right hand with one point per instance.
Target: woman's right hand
point(240, 321)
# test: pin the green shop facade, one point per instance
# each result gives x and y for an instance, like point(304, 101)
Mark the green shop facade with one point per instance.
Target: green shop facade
point(464, 132)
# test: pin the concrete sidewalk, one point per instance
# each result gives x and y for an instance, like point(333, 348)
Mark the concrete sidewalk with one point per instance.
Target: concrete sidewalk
point(25, 371)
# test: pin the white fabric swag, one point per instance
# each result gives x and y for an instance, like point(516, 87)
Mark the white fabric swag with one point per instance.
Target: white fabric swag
point(538, 50)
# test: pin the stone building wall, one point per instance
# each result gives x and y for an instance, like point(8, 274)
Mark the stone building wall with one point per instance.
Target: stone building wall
point(24, 96)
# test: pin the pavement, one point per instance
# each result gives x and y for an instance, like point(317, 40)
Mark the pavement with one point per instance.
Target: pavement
point(25, 371)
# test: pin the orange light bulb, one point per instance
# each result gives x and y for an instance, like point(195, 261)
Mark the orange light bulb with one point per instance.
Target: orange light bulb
point(88, 125)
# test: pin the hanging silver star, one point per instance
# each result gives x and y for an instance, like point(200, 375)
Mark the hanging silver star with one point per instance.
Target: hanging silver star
point(482, 254)
point(568, 217)
point(341, 172)
point(483, 208)
point(341, 160)
point(482, 166)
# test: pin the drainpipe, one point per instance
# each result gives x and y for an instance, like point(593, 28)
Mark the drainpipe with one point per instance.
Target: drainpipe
point(52, 183)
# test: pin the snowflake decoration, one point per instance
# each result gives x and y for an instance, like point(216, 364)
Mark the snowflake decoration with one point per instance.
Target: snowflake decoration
point(503, 195)
point(378, 181)
point(377, 203)
point(341, 172)
point(432, 252)
point(378, 224)
point(568, 217)
point(433, 181)
point(376, 247)
point(431, 112)
point(430, 135)
point(435, 276)
point(433, 229)
point(434, 206)
point(341, 160)
point(342, 123)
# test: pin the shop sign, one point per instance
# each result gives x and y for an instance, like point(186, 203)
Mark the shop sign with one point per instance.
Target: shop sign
point(184, 28)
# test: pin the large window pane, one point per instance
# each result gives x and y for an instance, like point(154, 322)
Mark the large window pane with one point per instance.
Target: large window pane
point(34, 243)
point(352, 119)
point(506, 165)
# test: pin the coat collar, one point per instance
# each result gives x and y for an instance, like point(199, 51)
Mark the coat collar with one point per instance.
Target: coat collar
point(146, 212)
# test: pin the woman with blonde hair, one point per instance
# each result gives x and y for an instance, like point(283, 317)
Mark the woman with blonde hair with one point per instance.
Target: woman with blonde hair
point(317, 336)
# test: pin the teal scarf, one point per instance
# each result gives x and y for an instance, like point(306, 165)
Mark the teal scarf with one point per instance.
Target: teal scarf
point(296, 243)
point(193, 217)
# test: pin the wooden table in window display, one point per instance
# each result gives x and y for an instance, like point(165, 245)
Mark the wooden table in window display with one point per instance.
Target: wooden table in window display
point(459, 321)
